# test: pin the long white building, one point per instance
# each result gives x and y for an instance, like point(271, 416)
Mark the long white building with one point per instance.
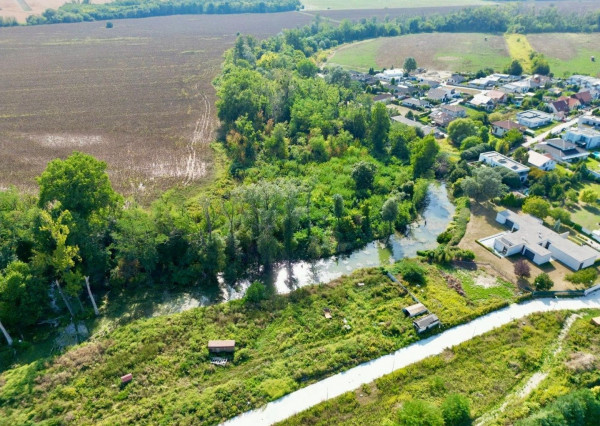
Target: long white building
point(533, 240)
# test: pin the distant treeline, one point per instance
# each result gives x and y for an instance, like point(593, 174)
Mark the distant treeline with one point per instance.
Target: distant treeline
point(122, 9)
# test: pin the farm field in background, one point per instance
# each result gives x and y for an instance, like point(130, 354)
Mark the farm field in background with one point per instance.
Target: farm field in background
point(569, 53)
point(138, 96)
point(381, 4)
point(441, 51)
point(21, 9)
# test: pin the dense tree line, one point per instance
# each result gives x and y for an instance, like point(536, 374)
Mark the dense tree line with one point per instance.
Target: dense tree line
point(123, 9)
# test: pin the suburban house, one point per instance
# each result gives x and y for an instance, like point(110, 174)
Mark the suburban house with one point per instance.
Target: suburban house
point(441, 118)
point(385, 98)
point(528, 236)
point(428, 82)
point(456, 79)
point(440, 94)
point(424, 128)
point(572, 102)
point(559, 108)
point(482, 101)
point(401, 90)
point(388, 75)
point(495, 159)
point(533, 118)
point(587, 137)
point(585, 97)
point(584, 81)
point(589, 120)
point(455, 111)
point(499, 128)
point(483, 83)
point(415, 103)
point(562, 151)
point(543, 162)
point(497, 96)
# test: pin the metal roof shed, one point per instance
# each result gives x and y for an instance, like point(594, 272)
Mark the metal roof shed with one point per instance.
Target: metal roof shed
point(426, 323)
point(221, 345)
point(415, 310)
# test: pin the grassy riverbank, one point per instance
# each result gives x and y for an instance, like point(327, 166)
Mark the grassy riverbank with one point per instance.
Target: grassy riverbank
point(282, 344)
point(485, 370)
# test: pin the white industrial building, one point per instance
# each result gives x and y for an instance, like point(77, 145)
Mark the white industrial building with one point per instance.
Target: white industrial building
point(533, 240)
point(495, 159)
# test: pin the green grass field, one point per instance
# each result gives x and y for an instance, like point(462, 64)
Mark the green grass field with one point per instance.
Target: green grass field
point(382, 4)
point(442, 51)
point(519, 49)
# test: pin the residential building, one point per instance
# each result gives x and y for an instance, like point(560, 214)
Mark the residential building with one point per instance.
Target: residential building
point(559, 108)
point(482, 101)
point(497, 96)
point(413, 123)
point(586, 137)
point(585, 81)
point(456, 79)
point(483, 83)
point(585, 97)
point(455, 111)
point(388, 75)
point(572, 102)
point(428, 82)
point(533, 118)
point(385, 98)
point(529, 237)
point(543, 162)
point(589, 120)
point(562, 151)
point(495, 159)
point(401, 90)
point(499, 128)
point(415, 103)
point(440, 94)
point(441, 118)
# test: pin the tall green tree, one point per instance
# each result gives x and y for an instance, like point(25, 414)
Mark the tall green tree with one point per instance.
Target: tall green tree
point(484, 184)
point(423, 156)
point(389, 212)
point(379, 128)
point(460, 129)
point(410, 65)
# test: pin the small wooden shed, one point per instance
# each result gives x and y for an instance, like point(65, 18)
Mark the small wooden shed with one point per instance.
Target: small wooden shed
point(426, 323)
point(126, 378)
point(217, 346)
point(415, 310)
point(595, 321)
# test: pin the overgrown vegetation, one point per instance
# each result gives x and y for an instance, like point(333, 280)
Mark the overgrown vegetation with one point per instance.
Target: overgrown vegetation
point(282, 343)
point(484, 370)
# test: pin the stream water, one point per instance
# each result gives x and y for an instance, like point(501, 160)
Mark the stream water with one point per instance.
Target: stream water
point(421, 235)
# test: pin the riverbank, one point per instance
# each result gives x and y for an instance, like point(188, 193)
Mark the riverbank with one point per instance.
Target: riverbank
point(368, 372)
point(283, 344)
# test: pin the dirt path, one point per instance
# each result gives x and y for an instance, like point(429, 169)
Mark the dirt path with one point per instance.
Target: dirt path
point(195, 168)
point(349, 380)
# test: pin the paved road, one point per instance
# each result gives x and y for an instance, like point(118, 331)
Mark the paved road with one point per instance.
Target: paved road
point(555, 130)
point(349, 380)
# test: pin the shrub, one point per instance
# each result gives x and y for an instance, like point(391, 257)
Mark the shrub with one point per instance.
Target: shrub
point(420, 413)
point(583, 276)
point(456, 410)
point(543, 282)
point(413, 273)
point(256, 292)
point(109, 24)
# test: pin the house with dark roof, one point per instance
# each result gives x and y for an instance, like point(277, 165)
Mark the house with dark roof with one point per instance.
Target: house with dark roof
point(440, 94)
point(415, 103)
point(383, 97)
point(559, 108)
point(584, 97)
point(440, 118)
point(456, 79)
point(562, 151)
point(500, 128)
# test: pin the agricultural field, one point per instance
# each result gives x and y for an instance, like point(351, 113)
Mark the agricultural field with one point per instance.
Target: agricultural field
point(569, 53)
point(21, 9)
point(441, 51)
point(138, 96)
point(383, 4)
point(505, 375)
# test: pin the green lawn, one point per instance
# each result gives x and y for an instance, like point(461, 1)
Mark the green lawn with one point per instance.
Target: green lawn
point(519, 49)
point(382, 4)
point(282, 344)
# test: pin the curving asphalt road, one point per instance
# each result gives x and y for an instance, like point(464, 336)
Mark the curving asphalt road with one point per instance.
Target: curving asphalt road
point(349, 380)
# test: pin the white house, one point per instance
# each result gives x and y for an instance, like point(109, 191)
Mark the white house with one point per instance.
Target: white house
point(533, 118)
point(562, 150)
point(388, 75)
point(482, 101)
point(533, 240)
point(415, 103)
point(543, 162)
point(495, 159)
point(587, 137)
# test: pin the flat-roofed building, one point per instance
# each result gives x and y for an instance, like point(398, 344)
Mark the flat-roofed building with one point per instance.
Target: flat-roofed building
point(495, 159)
point(528, 236)
point(533, 118)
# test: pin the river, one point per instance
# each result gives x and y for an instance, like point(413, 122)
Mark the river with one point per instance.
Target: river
point(421, 235)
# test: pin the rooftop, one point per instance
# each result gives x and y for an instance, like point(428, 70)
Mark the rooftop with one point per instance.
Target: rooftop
point(533, 113)
point(537, 159)
point(508, 125)
point(504, 161)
